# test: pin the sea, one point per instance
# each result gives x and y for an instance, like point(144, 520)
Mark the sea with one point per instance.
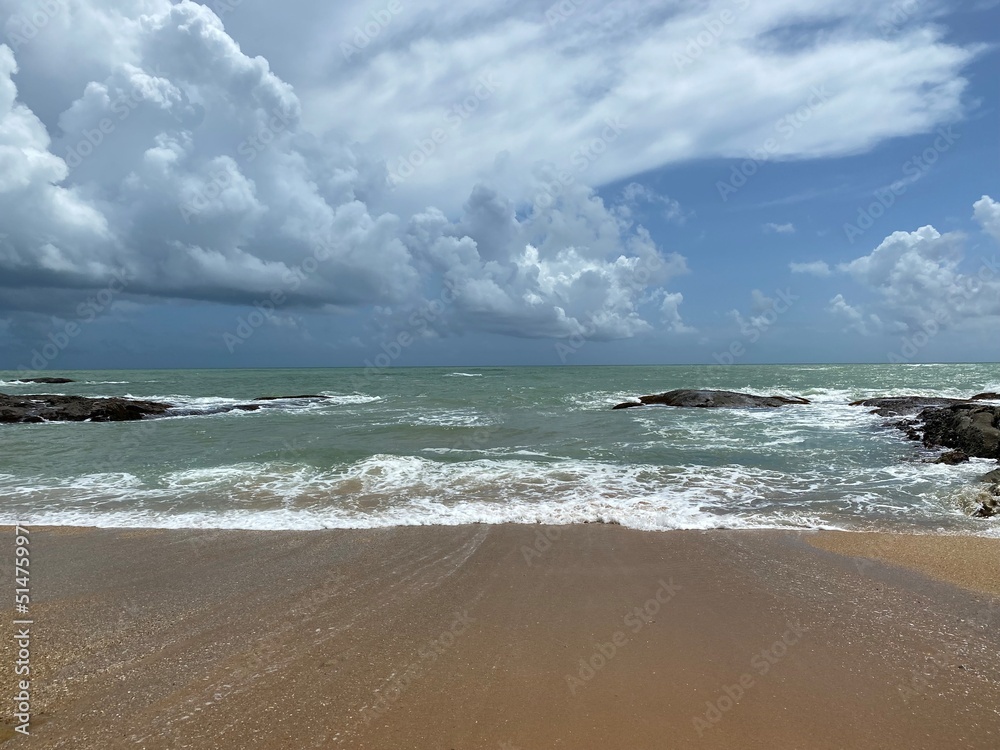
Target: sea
point(527, 445)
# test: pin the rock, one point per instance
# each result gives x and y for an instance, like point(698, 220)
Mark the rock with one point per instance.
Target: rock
point(951, 458)
point(972, 428)
point(988, 509)
point(895, 406)
point(46, 381)
point(993, 476)
point(283, 398)
point(705, 399)
point(986, 397)
point(33, 409)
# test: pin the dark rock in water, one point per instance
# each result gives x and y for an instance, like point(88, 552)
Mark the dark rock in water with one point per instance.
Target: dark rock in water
point(283, 398)
point(46, 381)
point(951, 458)
point(988, 509)
point(703, 399)
point(993, 476)
point(33, 409)
point(986, 397)
point(972, 428)
point(895, 406)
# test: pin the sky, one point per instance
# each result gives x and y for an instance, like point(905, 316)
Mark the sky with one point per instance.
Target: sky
point(243, 183)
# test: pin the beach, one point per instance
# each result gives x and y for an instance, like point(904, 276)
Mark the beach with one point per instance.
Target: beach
point(509, 636)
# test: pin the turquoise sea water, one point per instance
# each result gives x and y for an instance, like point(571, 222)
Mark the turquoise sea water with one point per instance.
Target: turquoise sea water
point(526, 445)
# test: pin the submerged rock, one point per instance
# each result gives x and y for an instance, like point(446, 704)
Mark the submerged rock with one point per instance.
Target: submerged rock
point(46, 381)
point(993, 476)
point(951, 458)
point(705, 399)
point(289, 398)
point(33, 409)
point(988, 509)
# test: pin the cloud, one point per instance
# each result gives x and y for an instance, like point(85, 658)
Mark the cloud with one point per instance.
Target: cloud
point(635, 194)
point(923, 276)
point(679, 99)
point(184, 163)
point(987, 212)
point(856, 319)
point(772, 228)
point(670, 314)
point(231, 163)
point(813, 268)
point(575, 268)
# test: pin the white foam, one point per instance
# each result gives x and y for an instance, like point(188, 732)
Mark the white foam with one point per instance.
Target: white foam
point(385, 490)
point(464, 375)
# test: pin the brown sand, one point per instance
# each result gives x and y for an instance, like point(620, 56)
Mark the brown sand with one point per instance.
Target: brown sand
point(467, 637)
point(969, 562)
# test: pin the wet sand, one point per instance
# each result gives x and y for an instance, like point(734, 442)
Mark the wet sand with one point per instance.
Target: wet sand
point(510, 637)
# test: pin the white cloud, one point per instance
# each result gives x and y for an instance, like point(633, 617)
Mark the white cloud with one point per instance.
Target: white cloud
point(813, 268)
point(771, 227)
point(185, 161)
point(922, 279)
point(987, 213)
point(857, 320)
point(635, 194)
point(670, 314)
point(558, 84)
point(216, 166)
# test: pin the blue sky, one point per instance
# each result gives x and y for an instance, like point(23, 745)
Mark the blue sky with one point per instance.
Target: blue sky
point(236, 184)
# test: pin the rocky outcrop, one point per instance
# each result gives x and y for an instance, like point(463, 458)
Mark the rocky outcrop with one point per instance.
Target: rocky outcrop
point(898, 406)
point(23, 409)
point(986, 397)
point(46, 381)
point(972, 428)
point(48, 408)
point(704, 399)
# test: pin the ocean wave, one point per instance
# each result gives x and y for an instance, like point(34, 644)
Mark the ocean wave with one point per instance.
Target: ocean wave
point(387, 490)
point(464, 375)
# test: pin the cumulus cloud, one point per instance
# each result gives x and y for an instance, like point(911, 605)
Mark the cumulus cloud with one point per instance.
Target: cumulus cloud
point(923, 277)
point(987, 212)
point(813, 268)
point(856, 320)
point(143, 139)
point(575, 268)
point(184, 164)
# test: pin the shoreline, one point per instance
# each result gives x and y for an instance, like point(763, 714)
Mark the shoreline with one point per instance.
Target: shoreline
point(585, 636)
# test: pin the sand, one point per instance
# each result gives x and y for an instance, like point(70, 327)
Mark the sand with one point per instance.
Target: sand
point(510, 637)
